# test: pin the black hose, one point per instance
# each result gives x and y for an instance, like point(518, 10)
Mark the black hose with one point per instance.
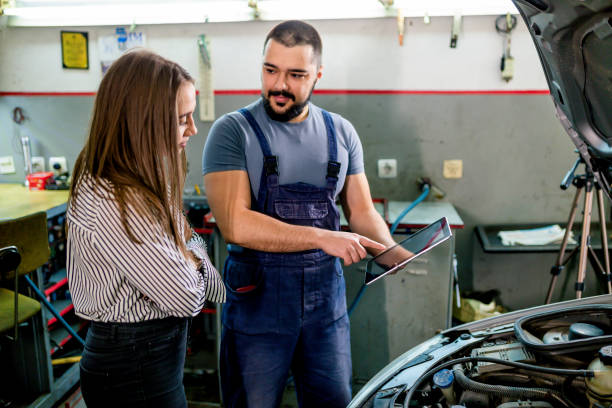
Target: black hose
point(524, 378)
point(500, 390)
point(565, 385)
point(529, 367)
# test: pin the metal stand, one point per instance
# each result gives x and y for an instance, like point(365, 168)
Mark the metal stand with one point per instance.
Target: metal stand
point(585, 181)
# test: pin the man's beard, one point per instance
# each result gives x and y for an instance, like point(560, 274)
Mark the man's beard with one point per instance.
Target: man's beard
point(293, 112)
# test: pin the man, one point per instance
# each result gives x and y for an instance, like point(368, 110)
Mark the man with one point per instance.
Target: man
point(272, 172)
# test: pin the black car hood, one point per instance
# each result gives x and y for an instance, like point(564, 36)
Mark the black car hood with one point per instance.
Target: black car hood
point(574, 42)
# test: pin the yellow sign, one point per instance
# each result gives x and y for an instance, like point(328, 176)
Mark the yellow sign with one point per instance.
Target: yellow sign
point(75, 52)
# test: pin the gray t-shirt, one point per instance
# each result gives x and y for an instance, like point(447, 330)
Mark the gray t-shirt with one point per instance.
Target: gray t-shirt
point(301, 147)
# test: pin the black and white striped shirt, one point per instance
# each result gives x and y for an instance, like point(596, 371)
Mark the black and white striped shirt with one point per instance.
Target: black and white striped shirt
point(113, 279)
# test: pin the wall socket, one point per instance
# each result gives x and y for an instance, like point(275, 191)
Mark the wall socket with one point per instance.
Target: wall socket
point(38, 164)
point(452, 169)
point(61, 161)
point(7, 165)
point(387, 168)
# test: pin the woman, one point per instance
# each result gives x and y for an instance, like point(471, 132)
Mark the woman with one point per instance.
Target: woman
point(135, 268)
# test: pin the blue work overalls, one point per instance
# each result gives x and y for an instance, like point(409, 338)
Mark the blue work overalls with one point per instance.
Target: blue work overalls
point(287, 310)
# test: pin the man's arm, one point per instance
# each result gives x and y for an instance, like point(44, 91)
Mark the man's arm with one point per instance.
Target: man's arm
point(360, 213)
point(229, 197)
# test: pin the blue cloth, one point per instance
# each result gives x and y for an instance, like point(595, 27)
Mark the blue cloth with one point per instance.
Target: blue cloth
point(287, 310)
point(135, 364)
point(301, 147)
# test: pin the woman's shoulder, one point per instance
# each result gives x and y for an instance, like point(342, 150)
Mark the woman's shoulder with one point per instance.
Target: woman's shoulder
point(90, 197)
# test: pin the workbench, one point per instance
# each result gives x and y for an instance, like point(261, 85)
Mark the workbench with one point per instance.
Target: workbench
point(17, 201)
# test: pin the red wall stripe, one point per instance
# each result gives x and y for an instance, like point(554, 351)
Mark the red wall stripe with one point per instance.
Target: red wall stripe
point(238, 91)
point(47, 93)
point(430, 92)
point(327, 92)
point(396, 92)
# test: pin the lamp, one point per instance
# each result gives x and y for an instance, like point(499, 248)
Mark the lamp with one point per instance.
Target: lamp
point(32, 13)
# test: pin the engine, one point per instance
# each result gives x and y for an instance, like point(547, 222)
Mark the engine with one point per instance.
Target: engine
point(557, 358)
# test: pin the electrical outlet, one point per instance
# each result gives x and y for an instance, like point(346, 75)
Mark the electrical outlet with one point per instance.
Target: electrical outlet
point(55, 162)
point(452, 169)
point(38, 164)
point(387, 168)
point(7, 165)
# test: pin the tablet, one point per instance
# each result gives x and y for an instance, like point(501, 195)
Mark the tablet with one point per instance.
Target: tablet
point(395, 258)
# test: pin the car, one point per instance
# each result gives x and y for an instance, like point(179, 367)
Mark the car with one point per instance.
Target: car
point(536, 357)
point(555, 355)
point(574, 42)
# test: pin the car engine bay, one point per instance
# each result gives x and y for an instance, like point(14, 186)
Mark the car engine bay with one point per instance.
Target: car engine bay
point(557, 358)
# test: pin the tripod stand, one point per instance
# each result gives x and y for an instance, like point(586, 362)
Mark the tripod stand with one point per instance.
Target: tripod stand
point(585, 182)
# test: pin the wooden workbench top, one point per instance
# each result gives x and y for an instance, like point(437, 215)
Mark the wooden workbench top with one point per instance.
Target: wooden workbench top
point(17, 201)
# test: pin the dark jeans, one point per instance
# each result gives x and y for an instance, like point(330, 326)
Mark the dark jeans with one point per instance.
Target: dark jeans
point(135, 364)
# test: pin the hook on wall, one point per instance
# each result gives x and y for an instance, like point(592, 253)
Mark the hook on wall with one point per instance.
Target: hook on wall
point(18, 115)
point(255, 7)
point(456, 28)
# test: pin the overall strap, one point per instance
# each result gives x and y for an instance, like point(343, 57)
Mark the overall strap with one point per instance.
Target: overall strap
point(265, 147)
point(269, 173)
point(333, 165)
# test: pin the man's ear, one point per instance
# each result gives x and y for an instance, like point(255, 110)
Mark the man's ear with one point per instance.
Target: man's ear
point(320, 72)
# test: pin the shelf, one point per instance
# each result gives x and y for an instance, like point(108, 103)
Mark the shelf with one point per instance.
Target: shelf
point(63, 306)
point(56, 281)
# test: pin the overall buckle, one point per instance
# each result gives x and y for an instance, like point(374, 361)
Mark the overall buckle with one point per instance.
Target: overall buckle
point(271, 165)
point(333, 169)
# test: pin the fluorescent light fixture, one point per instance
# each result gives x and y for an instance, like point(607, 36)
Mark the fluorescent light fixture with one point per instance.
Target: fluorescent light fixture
point(32, 13)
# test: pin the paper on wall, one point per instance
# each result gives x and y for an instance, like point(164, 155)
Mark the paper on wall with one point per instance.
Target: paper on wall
point(112, 47)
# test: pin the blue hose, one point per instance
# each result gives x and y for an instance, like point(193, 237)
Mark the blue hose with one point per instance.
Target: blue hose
point(357, 299)
point(49, 306)
point(413, 204)
point(420, 198)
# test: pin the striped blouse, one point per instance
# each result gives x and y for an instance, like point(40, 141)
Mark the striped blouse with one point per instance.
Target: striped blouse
point(113, 279)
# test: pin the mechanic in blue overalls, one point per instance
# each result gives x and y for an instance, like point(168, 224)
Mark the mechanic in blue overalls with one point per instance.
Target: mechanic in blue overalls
point(272, 172)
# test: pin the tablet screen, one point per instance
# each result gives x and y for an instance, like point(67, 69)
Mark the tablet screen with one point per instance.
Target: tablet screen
point(397, 257)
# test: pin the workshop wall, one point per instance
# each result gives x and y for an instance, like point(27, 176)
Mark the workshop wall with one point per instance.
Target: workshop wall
point(513, 148)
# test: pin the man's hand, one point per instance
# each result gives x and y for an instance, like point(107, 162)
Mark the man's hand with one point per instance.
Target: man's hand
point(347, 245)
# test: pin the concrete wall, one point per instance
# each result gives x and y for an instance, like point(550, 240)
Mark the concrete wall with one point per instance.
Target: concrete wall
point(513, 148)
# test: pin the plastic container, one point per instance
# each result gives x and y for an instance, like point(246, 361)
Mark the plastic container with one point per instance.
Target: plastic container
point(38, 181)
point(599, 387)
point(444, 380)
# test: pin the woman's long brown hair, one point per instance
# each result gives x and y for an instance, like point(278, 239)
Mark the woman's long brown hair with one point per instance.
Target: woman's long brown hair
point(133, 141)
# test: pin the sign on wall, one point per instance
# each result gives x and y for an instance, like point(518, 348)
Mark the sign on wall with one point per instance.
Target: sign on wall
point(75, 52)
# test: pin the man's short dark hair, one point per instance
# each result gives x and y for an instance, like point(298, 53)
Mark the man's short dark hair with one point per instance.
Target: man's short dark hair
point(294, 32)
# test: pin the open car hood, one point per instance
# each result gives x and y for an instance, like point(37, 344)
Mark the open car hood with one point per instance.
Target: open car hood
point(574, 42)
